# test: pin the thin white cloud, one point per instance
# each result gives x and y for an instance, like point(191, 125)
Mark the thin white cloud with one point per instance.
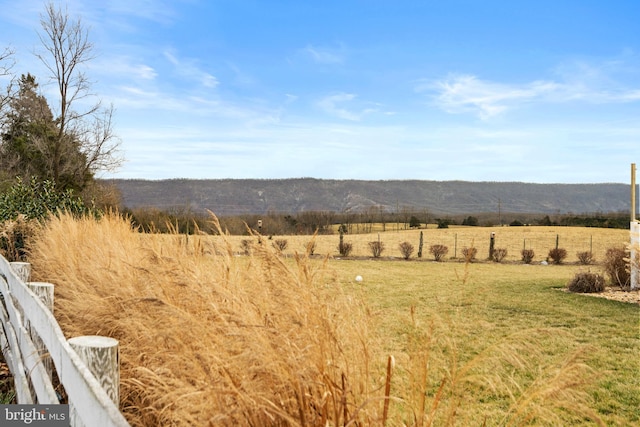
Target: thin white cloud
point(577, 81)
point(324, 55)
point(190, 70)
point(334, 105)
point(289, 98)
point(124, 68)
point(467, 93)
point(151, 10)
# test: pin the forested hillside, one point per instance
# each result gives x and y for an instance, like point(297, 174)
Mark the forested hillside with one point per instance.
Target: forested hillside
point(252, 196)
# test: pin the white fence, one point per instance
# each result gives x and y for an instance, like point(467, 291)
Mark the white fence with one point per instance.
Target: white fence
point(24, 315)
point(635, 247)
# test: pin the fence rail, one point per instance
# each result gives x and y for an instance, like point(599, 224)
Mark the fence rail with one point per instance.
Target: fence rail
point(22, 312)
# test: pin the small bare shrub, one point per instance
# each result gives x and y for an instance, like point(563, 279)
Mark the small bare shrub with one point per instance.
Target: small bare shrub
point(345, 248)
point(527, 255)
point(586, 257)
point(280, 244)
point(499, 254)
point(469, 254)
point(615, 265)
point(311, 247)
point(586, 282)
point(406, 249)
point(246, 245)
point(376, 247)
point(557, 255)
point(438, 251)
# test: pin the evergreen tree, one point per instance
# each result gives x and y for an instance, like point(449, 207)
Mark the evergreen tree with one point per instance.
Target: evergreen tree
point(31, 137)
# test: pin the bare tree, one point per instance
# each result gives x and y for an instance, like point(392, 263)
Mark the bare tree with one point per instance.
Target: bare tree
point(89, 131)
point(6, 64)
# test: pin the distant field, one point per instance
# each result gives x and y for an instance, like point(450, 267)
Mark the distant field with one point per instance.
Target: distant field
point(514, 239)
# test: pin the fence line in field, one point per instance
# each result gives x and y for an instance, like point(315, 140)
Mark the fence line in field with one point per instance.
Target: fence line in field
point(31, 339)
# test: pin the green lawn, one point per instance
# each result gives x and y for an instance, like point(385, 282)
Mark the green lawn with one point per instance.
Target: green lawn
point(489, 306)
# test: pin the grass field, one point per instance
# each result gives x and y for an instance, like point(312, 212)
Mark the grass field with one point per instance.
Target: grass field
point(212, 336)
point(482, 306)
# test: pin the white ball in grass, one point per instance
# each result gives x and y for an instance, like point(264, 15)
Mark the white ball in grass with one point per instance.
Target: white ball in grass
point(358, 278)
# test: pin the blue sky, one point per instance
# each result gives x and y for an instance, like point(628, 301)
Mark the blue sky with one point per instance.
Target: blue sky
point(534, 91)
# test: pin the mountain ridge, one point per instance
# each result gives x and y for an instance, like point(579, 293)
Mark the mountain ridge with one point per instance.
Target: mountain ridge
point(292, 195)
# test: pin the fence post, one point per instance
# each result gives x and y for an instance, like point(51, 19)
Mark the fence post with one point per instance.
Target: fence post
point(492, 242)
point(44, 291)
point(634, 257)
point(100, 354)
point(22, 269)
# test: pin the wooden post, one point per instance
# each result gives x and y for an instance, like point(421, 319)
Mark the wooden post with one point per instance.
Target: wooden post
point(492, 242)
point(100, 354)
point(22, 269)
point(44, 291)
point(633, 192)
point(455, 246)
point(635, 232)
point(635, 247)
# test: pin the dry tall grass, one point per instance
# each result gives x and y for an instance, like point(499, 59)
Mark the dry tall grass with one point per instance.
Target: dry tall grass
point(212, 338)
point(207, 337)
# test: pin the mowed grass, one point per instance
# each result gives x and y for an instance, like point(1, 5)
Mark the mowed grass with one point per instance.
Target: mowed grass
point(210, 336)
point(480, 306)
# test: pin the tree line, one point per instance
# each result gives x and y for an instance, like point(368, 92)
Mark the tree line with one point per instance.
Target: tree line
point(185, 221)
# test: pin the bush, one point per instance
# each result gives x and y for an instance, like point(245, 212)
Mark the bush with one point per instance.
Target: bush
point(311, 247)
point(37, 199)
point(527, 255)
point(406, 249)
point(470, 220)
point(438, 251)
point(23, 203)
point(615, 266)
point(586, 282)
point(557, 255)
point(414, 222)
point(246, 246)
point(499, 254)
point(376, 248)
point(586, 258)
point(345, 248)
point(469, 254)
point(14, 235)
point(443, 223)
point(280, 244)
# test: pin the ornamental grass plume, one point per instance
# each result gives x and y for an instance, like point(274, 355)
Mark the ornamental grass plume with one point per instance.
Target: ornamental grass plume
point(207, 337)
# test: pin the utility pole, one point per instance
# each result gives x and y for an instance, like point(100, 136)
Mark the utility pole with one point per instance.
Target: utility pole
point(499, 211)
